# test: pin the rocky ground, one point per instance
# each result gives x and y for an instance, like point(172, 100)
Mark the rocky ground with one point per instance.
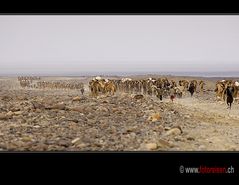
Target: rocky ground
point(64, 120)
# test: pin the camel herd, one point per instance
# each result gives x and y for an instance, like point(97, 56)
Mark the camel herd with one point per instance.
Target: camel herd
point(59, 85)
point(33, 82)
point(161, 87)
point(226, 90)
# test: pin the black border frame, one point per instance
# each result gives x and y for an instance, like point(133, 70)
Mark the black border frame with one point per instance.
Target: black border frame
point(120, 164)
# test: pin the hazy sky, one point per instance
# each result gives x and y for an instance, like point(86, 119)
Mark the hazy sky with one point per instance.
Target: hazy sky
point(77, 43)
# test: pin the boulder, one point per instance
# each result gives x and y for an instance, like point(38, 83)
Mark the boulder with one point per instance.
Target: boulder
point(5, 116)
point(138, 96)
point(58, 106)
point(37, 105)
point(14, 109)
point(10, 114)
point(75, 140)
point(173, 131)
point(102, 109)
point(149, 146)
point(154, 117)
point(163, 144)
point(18, 113)
point(77, 98)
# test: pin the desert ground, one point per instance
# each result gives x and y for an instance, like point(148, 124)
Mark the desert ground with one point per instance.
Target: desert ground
point(66, 120)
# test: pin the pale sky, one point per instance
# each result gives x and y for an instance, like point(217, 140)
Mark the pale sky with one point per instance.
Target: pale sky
point(56, 44)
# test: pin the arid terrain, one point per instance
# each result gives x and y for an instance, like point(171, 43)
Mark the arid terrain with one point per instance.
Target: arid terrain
point(66, 120)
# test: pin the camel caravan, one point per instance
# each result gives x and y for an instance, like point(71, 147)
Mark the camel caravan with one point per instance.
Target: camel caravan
point(161, 87)
point(26, 81)
point(226, 90)
point(59, 85)
point(30, 82)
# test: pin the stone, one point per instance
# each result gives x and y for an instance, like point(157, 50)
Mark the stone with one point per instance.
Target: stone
point(177, 139)
point(114, 110)
point(63, 143)
point(148, 146)
point(26, 139)
point(102, 109)
point(90, 118)
point(18, 113)
point(74, 120)
point(202, 147)
point(133, 135)
point(75, 140)
point(4, 116)
point(10, 113)
point(138, 96)
point(77, 98)
point(59, 106)
point(151, 108)
point(38, 111)
point(159, 128)
point(191, 138)
point(173, 131)
point(167, 128)
point(151, 146)
point(120, 112)
point(14, 109)
point(81, 145)
point(163, 144)
point(6, 98)
point(130, 129)
point(89, 109)
point(37, 105)
point(154, 117)
point(77, 109)
point(23, 120)
point(179, 127)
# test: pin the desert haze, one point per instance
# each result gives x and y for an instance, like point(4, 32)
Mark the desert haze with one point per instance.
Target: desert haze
point(74, 114)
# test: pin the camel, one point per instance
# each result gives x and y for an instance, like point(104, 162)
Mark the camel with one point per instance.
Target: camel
point(201, 85)
point(220, 89)
point(110, 88)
